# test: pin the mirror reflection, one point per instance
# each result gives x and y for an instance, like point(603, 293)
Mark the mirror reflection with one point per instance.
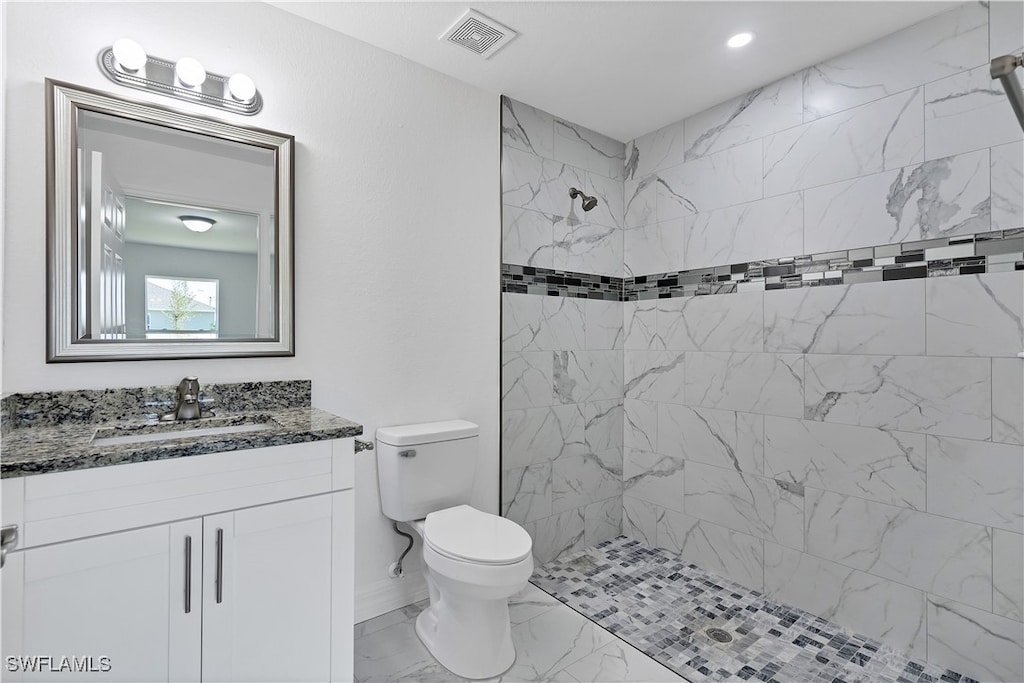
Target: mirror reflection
point(176, 235)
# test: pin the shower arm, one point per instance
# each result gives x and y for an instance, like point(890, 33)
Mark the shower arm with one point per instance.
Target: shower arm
point(1004, 69)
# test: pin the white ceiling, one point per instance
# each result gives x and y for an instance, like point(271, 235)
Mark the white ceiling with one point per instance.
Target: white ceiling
point(623, 68)
point(157, 223)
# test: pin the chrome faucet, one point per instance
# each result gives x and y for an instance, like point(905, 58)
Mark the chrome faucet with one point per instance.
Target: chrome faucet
point(186, 402)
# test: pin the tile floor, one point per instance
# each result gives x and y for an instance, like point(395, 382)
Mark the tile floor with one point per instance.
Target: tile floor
point(553, 643)
point(641, 600)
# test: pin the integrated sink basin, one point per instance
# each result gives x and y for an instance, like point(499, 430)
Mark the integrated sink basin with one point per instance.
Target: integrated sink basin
point(186, 429)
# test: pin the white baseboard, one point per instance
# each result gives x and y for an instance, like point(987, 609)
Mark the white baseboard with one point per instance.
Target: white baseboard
point(389, 594)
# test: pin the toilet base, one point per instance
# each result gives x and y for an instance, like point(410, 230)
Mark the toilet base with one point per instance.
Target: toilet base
point(475, 643)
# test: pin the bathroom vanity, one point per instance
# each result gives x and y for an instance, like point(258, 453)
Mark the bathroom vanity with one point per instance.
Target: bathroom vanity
point(223, 556)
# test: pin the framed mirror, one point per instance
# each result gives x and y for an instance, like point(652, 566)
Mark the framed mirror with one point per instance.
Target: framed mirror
point(169, 234)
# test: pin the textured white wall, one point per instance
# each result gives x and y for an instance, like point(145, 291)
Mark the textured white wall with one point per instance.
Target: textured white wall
point(397, 224)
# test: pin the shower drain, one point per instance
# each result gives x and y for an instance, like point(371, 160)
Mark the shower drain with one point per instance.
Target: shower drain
point(718, 635)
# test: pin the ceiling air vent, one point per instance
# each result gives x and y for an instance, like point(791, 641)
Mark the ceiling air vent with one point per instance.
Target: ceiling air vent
point(478, 34)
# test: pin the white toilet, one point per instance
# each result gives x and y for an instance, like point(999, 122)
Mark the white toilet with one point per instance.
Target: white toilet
point(474, 561)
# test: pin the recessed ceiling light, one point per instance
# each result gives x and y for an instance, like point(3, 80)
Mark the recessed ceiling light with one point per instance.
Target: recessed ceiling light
point(740, 39)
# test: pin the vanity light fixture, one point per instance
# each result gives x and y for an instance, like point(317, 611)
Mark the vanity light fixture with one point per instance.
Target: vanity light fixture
point(197, 223)
point(740, 39)
point(126, 63)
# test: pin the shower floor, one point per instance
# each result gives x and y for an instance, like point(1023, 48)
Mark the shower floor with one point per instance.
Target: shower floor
point(663, 607)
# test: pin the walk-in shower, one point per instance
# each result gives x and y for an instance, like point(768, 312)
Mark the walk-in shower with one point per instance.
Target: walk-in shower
point(1004, 68)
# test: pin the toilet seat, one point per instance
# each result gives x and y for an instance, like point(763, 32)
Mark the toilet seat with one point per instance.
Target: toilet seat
point(465, 534)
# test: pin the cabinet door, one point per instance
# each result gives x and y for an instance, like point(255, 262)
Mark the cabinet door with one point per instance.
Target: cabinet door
point(267, 592)
point(111, 597)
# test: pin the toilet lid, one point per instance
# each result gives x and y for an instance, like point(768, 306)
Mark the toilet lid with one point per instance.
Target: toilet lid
point(467, 534)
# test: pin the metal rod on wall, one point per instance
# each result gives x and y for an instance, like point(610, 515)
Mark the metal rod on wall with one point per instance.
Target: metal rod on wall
point(1004, 69)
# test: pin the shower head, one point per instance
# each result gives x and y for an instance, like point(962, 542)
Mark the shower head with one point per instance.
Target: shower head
point(588, 202)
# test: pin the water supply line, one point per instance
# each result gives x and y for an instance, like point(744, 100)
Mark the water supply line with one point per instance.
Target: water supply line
point(395, 570)
point(1004, 68)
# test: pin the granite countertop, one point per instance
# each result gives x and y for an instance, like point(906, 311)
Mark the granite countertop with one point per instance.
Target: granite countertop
point(69, 444)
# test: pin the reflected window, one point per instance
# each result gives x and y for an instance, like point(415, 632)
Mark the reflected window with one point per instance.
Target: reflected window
point(181, 308)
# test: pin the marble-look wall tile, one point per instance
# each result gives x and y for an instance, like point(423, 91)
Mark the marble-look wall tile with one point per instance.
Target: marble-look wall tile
point(766, 228)
point(527, 237)
point(889, 611)
point(557, 535)
point(884, 134)
point(532, 182)
point(983, 646)
point(640, 425)
point(936, 395)
point(965, 112)
point(609, 193)
point(526, 128)
point(1006, 28)
point(935, 48)
point(876, 317)
point(578, 480)
point(654, 478)
point(640, 520)
point(704, 323)
point(655, 248)
point(731, 554)
point(977, 481)
point(581, 376)
point(602, 428)
point(724, 178)
point(753, 505)
point(766, 383)
point(1008, 574)
point(654, 151)
point(888, 467)
point(940, 555)
point(526, 493)
point(527, 379)
point(588, 149)
point(602, 521)
point(976, 315)
point(541, 323)
point(1008, 184)
point(758, 113)
point(1007, 400)
point(587, 248)
point(602, 323)
point(654, 375)
point(939, 198)
point(715, 437)
point(640, 201)
point(537, 435)
point(640, 324)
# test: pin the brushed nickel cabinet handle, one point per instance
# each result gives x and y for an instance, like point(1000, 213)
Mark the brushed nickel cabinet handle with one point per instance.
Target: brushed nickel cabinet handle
point(188, 574)
point(220, 566)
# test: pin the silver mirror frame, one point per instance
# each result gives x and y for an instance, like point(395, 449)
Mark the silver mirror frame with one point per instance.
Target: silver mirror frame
point(63, 102)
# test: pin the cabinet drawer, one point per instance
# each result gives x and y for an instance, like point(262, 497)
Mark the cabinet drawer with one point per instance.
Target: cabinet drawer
point(68, 505)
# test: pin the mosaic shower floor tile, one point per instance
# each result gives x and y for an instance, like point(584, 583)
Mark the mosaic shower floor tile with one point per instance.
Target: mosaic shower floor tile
point(665, 608)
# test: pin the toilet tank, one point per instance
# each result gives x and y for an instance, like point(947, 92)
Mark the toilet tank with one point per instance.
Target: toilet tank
point(425, 467)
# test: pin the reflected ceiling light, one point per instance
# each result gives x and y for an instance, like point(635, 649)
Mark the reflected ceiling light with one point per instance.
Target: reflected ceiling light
point(129, 55)
point(190, 72)
point(740, 39)
point(242, 88)
point(197, 223)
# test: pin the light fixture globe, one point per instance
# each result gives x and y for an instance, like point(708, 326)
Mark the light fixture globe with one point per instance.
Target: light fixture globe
point(740, 39)
point(190, 72)
point(129, 55)
point(241, 87)
point(197, 223)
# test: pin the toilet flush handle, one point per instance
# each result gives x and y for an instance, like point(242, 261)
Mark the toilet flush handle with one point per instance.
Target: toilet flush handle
point(410, 453)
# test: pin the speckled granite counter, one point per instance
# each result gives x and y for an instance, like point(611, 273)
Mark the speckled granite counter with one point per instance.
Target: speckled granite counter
point(54, 431)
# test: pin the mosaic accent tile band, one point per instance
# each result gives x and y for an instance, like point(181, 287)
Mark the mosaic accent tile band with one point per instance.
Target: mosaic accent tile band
point(666, 608)
point(991, 252)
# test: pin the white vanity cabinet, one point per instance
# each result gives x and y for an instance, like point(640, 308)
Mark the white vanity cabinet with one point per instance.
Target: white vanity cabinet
point(223, 567)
